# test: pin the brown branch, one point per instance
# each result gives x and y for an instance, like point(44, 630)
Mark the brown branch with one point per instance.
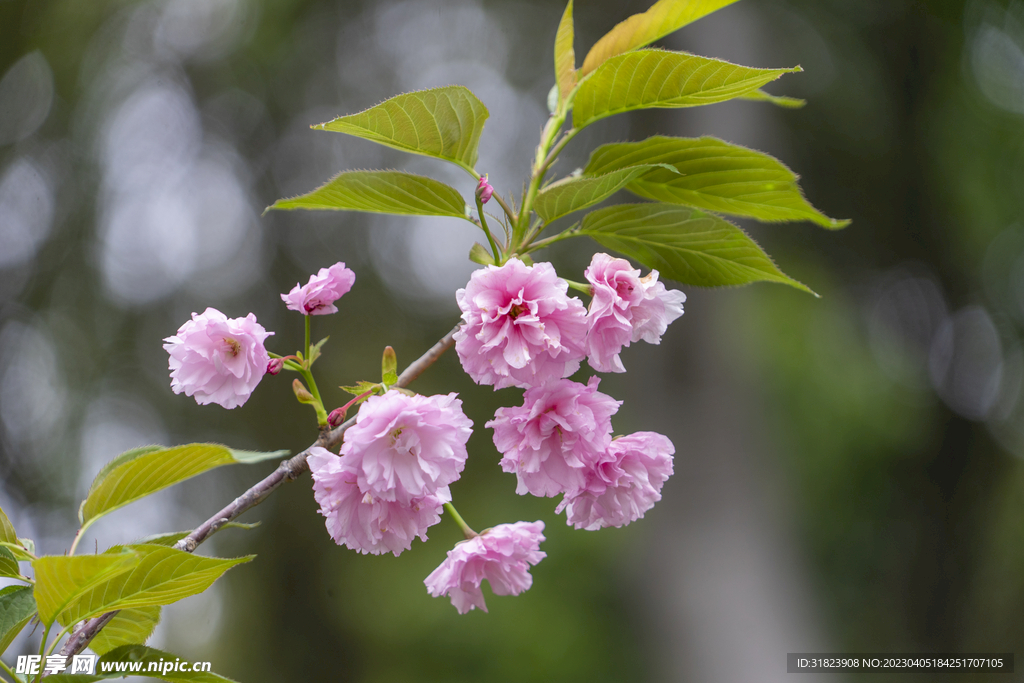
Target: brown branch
point(285, 472)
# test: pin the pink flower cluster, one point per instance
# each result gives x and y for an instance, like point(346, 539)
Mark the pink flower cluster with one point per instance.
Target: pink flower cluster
point(550, 441)
point(220, 360)
point(391, 480)
point(503, 555)
point(522, 329)
point(560, 442)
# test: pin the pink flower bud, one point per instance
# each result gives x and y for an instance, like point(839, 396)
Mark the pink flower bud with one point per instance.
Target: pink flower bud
point(275, 365)
point(336, 417)
point(484, 190)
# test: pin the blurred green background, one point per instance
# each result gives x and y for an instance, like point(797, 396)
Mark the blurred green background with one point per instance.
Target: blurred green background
point(848, 473)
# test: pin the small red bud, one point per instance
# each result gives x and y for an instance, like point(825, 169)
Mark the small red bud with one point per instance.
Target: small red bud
point(275, 365)
point(336, 417)
point(484, 190)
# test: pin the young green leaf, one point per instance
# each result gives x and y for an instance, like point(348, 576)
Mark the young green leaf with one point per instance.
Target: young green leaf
point(7, 534)
point(314, 350)
point(565, 55)
point(61, 580)
point(648, 79)
point(392, 192)
point(17, 606)
point(713, 175)
point(578, 192)
point(18, 551)
point(140, 472)
point(360, 388)
point(9, 564)
point(131, 626)
point(445, 123)
point(389, 367)
point(686, 245)
point(162, 575)
point(478, 254)
point(663, 18)
point(777, 100)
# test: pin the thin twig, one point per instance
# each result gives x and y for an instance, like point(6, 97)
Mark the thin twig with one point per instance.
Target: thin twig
point(287, 471)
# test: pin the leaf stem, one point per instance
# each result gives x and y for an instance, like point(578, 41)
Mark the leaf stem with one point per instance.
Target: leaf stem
point(467, 532)
point(10, 673)
point(483, 225)
point(305, 349)
point(42, 650)
point(569, 135)
point(318, 404)
point(74, 543)
point(504, 207)
point(580, 287)
point(540, 165)
point(571, 231)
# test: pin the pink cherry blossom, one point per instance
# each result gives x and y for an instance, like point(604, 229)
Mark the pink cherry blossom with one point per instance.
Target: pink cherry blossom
point(317, 296)
point(625, 308)
point(362, 521)
point(217, 359)
point(652, 316)
point(561, 429)
point(624, 485)
point(406, 447)
point(502, 555)
point(521, 329)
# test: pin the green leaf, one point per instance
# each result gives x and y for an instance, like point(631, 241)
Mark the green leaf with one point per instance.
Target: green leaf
point(128, 627)
point(163, 575)
point(18, 551)
point(478, 254)
point(361, 388)
point(565, 55)
point(138, 473)
point(17, 606)
point(663, 18)
point(778, 100)
point(392, 192)
point(7, 534)
point(713, 175)
point(389, 366)
point(9, 564)
point(445, 123)
point(314, 350)
point(684, 244)
point(660, 79)
point(578, 192)
point(61, 580)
